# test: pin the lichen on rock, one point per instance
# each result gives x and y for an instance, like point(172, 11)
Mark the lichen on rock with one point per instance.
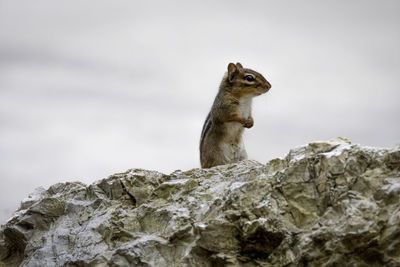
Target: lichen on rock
point(325, 204)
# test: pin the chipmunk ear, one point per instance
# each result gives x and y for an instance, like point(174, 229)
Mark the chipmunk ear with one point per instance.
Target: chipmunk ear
point(232, 71)
point(239, 65)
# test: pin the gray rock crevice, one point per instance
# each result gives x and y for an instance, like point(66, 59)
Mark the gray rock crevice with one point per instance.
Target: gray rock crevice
point(325, 204)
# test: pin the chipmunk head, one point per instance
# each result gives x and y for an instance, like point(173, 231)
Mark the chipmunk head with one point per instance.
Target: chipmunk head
point(243, 81)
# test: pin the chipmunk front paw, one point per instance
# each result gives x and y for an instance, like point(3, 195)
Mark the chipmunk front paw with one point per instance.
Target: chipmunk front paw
point(249, 122)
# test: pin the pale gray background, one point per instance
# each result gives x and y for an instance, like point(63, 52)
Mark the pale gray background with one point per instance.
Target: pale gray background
point(91, 88)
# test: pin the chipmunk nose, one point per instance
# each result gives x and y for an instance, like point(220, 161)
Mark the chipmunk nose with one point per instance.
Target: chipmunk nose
point(268, 85)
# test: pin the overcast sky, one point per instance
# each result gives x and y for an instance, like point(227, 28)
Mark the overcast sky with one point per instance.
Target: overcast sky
point(92, 88)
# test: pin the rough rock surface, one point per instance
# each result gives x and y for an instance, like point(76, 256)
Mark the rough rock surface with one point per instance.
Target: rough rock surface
point(325, 204)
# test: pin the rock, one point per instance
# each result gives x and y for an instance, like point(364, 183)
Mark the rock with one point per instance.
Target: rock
point(325, 204)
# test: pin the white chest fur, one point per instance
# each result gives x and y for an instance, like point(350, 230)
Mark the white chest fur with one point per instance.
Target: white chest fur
point(234, 130)
point(245, 106)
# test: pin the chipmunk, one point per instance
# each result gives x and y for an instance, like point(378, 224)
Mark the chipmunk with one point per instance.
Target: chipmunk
point(221, 138)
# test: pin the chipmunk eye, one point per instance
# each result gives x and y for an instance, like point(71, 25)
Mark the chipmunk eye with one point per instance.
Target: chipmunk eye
point(249, 78)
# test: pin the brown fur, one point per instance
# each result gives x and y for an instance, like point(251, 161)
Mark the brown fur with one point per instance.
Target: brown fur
point(221, 138)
